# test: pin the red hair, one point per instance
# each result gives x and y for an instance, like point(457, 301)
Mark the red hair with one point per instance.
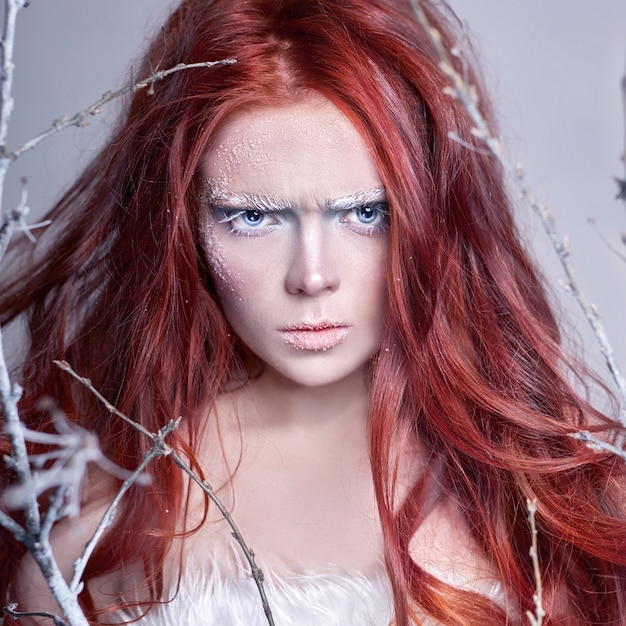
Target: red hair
point(470, 361)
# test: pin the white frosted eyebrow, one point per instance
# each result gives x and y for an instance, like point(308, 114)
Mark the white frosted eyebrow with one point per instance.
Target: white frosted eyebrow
point(267, 203)
point(258, 201)
point(357, 199)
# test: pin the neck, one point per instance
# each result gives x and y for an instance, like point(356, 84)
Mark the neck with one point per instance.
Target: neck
point(274, 403)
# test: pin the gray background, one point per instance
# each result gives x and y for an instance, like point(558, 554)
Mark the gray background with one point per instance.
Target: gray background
point(554, 67)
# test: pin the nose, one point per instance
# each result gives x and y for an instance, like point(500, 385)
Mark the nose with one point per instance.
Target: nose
point(313, 267)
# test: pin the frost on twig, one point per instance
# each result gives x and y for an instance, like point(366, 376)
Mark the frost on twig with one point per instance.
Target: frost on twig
point(160, 448)
point(536, 618)
point(595, 443)
point(59, 470)
point(63, 466)
point(15, 217)
point(467, 96)
point(36, 530)
point(16, 220)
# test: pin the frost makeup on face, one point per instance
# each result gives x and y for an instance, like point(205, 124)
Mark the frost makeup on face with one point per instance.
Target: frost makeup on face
point(296, 223)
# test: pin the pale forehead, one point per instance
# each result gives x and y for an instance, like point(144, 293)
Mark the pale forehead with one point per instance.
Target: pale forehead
point(281, 149)
point(303, 117)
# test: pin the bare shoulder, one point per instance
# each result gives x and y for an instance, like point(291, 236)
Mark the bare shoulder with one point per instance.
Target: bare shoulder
point(444, 547)
point(443, 544)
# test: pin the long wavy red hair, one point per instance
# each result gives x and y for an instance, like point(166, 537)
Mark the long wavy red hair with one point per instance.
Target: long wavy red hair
point(472, 365)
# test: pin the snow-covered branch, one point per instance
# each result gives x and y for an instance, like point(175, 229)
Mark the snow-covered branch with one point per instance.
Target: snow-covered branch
point(536, 618)
point(160, 448)
point(59, 471)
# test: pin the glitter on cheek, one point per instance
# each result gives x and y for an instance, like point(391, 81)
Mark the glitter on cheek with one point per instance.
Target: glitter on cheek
point(226, 278)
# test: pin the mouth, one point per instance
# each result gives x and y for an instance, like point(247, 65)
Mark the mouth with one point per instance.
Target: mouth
point(315, 337)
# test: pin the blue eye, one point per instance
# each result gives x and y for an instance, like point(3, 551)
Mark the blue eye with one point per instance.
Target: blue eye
point(252, 217)
point(248, 222)
point(367, 219)
point(367, 214)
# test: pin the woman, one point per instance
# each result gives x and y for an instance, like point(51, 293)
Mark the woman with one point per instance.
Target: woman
point(291, 253)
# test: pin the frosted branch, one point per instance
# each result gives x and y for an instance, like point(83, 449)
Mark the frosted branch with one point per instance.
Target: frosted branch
point(18, 461)
point(75, 447)
point(63, 467)
point(467, 96)
point(11, 9)
point(15, 220)
point(535, 619)
point(595, 443)
point(161, 448)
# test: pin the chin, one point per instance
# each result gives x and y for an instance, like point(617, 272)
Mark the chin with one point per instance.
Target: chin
point(319, 375)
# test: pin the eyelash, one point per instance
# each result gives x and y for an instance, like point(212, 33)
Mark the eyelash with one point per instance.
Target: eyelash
point(379, 224)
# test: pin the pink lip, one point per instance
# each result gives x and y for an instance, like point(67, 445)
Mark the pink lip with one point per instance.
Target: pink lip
point(315, 337)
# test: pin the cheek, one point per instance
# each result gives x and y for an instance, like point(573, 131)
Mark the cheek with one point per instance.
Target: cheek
point(378, 306)
point(225, 273)
point(368, 274)
point(237, 278)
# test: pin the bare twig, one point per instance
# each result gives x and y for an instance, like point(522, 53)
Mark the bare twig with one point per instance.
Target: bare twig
point(162, 449)
point(535, 619)
point(605, 241)
point(13, 613)
point(467, 96)
point(80, 119)
point(66, 367)
point(255, 571)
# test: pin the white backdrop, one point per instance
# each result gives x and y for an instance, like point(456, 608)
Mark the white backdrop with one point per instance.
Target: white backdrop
point(554, 68)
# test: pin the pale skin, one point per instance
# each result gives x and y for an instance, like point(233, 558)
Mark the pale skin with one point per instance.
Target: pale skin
point(296, 234)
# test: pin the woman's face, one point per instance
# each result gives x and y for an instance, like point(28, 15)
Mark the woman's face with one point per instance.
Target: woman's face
point(296, 231)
